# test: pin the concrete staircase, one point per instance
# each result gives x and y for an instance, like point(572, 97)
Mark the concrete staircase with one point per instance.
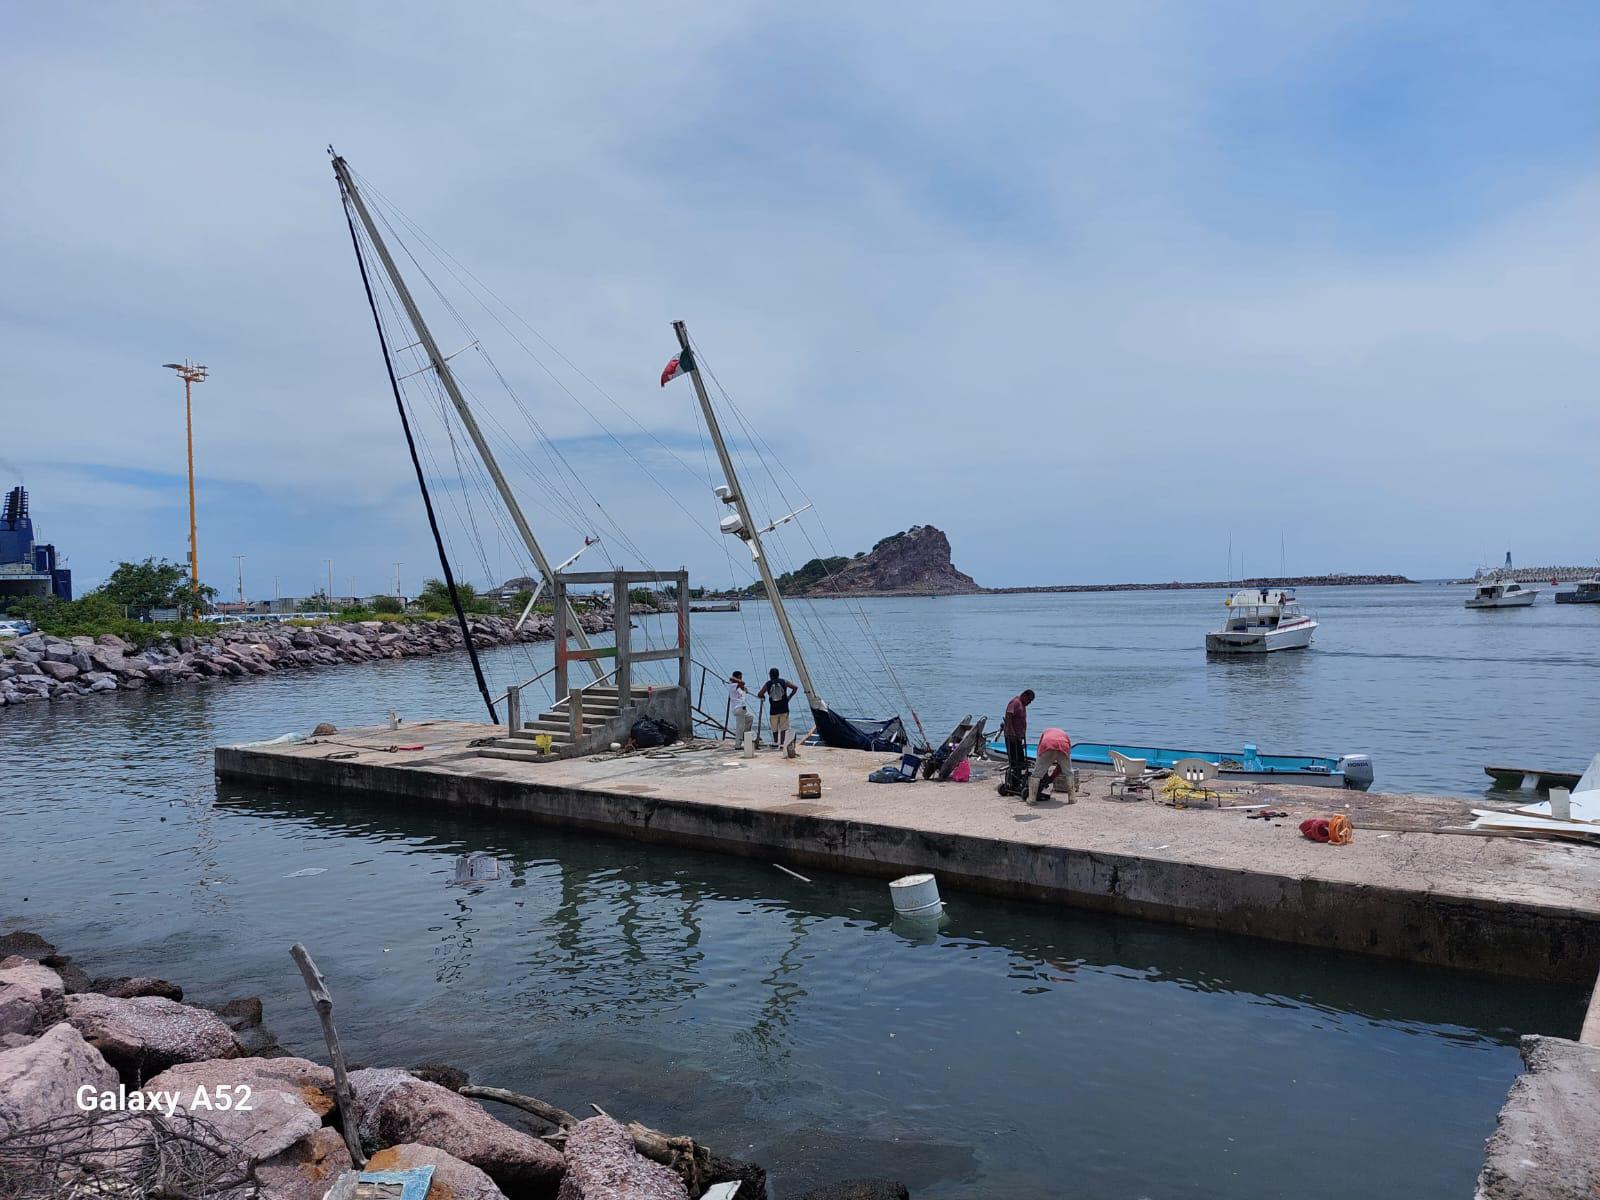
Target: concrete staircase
point(605, 720)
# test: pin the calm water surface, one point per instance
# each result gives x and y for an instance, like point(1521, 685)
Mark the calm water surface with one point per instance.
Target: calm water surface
point(1022, 1051)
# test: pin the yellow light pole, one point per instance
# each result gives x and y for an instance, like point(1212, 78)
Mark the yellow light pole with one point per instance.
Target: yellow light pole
point(191, 374)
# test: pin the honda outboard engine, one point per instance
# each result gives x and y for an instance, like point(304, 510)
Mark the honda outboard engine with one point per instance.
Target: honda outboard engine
point(1357, 770)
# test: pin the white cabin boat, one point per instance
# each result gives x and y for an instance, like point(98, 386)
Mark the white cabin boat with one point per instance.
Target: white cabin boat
point(1261, 620)
point(1501, 593)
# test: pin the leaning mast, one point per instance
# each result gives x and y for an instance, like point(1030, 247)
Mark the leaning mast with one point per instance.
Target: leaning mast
point(748, 530)
point(441, 368)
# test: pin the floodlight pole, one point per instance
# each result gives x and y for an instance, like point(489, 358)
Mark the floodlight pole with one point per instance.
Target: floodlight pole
point(191, 374)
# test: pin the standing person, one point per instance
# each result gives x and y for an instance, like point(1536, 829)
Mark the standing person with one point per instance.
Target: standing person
point(1014, 727)
point(739, 706)
point(1054, 759)
point(778, 691)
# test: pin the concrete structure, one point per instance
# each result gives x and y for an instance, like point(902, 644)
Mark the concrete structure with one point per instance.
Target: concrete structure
point(1546, 1145)
point(27, 568)
point(1402, 889)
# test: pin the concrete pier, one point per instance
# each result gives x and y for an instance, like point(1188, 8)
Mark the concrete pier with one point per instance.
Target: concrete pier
point(1401, 889)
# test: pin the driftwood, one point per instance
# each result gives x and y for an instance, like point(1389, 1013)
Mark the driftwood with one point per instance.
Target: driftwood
point(693, 1163)
point(963, 749)
point(320, 996)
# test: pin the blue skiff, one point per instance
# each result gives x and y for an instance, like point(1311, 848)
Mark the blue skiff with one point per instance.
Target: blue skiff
point(1242, 766)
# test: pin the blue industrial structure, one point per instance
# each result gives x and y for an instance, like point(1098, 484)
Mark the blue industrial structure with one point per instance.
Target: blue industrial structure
point(26, 567)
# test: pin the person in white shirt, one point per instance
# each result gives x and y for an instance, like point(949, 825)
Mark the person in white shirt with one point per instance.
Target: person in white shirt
point(739, 706)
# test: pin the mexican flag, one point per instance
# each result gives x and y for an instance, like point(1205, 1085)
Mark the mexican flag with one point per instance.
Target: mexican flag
point(678, 365)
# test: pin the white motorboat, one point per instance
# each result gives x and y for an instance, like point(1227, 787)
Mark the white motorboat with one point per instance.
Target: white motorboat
point(1501, 593)
point(1260, 620)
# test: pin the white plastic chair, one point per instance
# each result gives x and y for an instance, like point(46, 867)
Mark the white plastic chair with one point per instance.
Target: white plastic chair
point(1128, 773)
point(1197, 774)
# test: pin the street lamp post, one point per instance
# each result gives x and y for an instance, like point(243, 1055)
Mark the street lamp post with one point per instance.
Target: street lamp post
point(191, 374)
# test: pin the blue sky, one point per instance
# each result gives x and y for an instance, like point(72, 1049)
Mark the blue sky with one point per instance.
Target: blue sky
point(1093, 288)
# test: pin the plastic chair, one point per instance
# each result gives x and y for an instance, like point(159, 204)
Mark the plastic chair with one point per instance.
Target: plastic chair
point(1189, 779)
point(1128, 773)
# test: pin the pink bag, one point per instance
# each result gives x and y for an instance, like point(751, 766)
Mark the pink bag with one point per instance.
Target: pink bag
point(963, 771)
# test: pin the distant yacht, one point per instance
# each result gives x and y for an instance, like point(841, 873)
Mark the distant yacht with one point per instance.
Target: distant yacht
point(1501, 593)
point(1261, 620)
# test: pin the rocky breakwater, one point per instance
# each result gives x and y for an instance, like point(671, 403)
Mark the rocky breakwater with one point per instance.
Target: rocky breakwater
point(118, 1087)
point(41, 667)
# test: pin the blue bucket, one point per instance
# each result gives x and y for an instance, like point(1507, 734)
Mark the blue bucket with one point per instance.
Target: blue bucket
point(910, 764)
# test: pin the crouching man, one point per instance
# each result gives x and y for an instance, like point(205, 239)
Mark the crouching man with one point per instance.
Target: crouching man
point(1054, 761)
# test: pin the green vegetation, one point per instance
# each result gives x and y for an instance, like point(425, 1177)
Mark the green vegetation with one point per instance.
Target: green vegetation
point(96, 614)
point(435, 598)
point(806, 576)
point(132, 590)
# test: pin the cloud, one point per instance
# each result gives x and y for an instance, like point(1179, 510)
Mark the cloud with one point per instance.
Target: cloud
point(1091, 289)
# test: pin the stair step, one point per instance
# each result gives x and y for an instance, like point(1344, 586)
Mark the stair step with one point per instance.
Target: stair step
point(553, 728)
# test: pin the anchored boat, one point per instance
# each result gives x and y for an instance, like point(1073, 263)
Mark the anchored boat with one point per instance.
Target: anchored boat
point(1248, 765)
point(1502, 593)
point(1587, 592)
point(1262, 619)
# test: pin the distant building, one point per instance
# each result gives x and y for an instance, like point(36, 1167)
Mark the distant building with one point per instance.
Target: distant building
point(26, 567)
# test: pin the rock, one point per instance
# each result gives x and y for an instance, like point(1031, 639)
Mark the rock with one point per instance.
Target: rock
point(288, 1099)
point(243, 1012)
point(602, 1164)
point(452, 1178)
point(41, 1080)
point(80, 659)
point(13, 1041)
point(57, 652)
point(443, 1074)
point(73, 977)
point(394, 1107)
point(26, 944)
point(31, 996)
point(122, 987)
point(859, 1189)
point(112, 642)
point(103, 683)
point(146, 1035)
point(916, 561)
point(306, 1169)
point(58, 670)
point(326, 729)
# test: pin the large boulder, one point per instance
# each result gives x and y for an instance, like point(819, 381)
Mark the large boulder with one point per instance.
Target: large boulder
point(31, 996)
point(58, 670)
point(26, 944)
point(306, 1169)
point(144, 1036)
point(602, 1164)
point(452, 1178)
point(287, 1098)
point(394, 1107)
point(124, 987)
point(40, 1081)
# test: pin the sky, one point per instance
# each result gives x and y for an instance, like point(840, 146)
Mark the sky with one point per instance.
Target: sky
point(1100, 290)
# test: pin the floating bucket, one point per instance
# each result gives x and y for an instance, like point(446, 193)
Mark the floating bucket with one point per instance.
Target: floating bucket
point(916, 896)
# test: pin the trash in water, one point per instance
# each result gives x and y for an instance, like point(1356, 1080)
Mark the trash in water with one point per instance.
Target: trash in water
point(480, 867)
point(304, 871)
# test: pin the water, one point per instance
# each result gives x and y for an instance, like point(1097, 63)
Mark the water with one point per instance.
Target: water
point(1022, 1051)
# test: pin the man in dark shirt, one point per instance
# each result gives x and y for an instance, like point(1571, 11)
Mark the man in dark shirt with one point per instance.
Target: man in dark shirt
point(1014, 727)
point(777, 691)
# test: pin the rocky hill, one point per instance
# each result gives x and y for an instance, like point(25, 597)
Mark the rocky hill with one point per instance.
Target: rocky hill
point(913, 562)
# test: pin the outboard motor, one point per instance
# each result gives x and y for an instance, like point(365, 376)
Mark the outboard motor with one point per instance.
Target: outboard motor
point(1357, 770)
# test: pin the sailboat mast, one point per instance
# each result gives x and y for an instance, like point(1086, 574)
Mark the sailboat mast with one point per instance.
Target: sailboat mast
point(447, 380)
point(750, 532)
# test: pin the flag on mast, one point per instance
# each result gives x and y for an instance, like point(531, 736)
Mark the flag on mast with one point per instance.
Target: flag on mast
point(679, 364)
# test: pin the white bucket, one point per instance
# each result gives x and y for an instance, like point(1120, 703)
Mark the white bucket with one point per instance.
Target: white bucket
point(916, 896)
point(1561, 804)
point(750, 745)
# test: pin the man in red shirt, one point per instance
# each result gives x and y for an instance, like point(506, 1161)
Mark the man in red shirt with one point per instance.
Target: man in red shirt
point(1053, 760)
point(1014, 728)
